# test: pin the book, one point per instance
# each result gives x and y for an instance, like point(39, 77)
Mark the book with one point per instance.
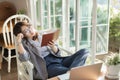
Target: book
point(51, 35)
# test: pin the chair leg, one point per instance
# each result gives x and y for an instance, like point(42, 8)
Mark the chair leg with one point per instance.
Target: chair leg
point(9, 60)
point(2, 54)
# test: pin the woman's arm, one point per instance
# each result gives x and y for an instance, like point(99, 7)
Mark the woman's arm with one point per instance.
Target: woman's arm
point(23, 54)
point(53, 46)
point(21, 49)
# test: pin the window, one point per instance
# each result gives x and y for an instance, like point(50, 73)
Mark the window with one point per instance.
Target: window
point(74, 18)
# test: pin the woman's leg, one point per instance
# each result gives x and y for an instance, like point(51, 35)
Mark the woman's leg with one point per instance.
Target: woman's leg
point(54, 66)
point(77, 59)
point(56, 69)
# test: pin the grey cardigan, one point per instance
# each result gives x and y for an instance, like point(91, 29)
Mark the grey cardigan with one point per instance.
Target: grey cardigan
point(33, 54)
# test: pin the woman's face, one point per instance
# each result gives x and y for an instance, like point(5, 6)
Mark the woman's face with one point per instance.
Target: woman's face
point(28, 31)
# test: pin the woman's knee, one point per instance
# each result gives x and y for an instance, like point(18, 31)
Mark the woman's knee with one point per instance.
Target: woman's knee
point(83, 51)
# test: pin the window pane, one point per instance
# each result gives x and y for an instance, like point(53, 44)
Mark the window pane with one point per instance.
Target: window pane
point(72, 10)
point(52, 7)
point(45, 7)
point(45, 23)
point(72, 35)
point(102, 11)
point(58, 7)
point(85, 9)
point(85, 37)
point(102, 39)
point(52, 21)
point(58, 22)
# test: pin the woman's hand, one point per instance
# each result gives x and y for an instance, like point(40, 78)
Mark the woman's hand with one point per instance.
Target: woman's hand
point(51, 44)
point(21, 49)
point(19, 37)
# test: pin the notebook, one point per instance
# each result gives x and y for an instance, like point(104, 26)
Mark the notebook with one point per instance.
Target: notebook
point(89, 72)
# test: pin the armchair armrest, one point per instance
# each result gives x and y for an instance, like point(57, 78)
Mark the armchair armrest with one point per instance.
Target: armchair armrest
point(25, 70)
point(66, 51)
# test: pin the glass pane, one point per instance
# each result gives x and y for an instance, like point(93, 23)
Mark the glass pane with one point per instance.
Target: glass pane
point(58, 7)
point(72, 35)
point(51, 7)
point(45, 23)
point(52, 21)
point(85, 37)
point(45, 7)
point(58, 22)
point(102, 39)
point(102, 11)
point(85, 4)
point(72, 9)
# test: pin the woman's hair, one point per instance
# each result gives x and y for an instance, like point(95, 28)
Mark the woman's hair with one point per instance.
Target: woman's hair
point(17, 28)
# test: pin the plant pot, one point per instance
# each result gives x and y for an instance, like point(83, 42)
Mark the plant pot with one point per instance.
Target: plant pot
point(113, 71)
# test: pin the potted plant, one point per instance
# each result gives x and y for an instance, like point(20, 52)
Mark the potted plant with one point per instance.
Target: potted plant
point(113, 65)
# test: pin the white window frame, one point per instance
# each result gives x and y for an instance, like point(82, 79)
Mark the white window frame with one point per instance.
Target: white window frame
point(94, 28)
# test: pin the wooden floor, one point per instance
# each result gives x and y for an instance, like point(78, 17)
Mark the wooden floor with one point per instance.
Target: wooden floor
point(9, 76)
point(13, 74)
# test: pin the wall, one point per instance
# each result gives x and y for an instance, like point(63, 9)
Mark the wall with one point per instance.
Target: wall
point(26, 5)
point(20, 4)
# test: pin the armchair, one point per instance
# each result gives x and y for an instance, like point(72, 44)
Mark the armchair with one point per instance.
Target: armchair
point(8, 39)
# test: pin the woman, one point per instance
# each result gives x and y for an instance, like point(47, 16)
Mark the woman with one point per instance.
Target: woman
point(46, 60)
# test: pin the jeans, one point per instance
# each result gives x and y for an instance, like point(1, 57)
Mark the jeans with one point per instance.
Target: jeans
point(59, 65)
